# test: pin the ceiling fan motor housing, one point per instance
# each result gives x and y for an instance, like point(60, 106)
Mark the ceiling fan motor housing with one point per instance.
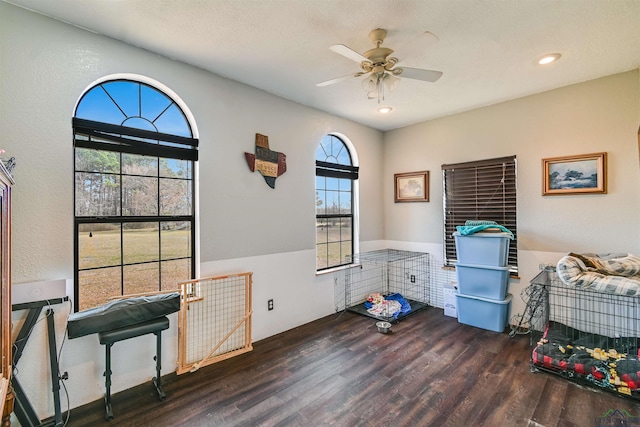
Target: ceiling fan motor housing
point(378, 55)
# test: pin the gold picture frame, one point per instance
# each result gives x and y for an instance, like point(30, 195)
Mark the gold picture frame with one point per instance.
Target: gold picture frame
point(581, 174)
point(411, 187)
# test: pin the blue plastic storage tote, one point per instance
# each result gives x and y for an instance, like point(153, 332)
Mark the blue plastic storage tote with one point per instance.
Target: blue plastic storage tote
point(484, 281)
point(482, 312)
point(483, 248)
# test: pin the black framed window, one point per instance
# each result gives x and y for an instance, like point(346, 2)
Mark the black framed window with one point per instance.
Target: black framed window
point(134, 155)
point(335, 175)
point(481, 190)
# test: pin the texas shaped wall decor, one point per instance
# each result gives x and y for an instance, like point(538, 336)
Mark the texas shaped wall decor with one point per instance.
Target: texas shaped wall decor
point(271, 164)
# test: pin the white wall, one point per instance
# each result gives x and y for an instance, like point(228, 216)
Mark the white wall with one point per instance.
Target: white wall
point(594, 116)
point(244, 225)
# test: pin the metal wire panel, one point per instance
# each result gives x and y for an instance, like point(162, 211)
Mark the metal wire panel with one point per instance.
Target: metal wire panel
point(590, 312)
point(215, 320)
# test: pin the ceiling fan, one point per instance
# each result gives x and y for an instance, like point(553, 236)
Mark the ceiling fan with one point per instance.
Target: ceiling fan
point(380, 67)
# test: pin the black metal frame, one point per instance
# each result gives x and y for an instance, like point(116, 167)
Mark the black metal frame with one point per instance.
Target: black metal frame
point(23, 410)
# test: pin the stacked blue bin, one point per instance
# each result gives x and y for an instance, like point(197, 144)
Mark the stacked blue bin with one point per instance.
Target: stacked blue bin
point(483, 277)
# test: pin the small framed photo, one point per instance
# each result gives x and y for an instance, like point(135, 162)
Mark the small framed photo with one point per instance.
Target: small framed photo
point(585, 173)
point(412, 187)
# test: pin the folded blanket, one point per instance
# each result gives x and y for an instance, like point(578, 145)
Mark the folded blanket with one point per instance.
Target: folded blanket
point(472, 227)
point(386, 308)
point(625, 266)
point(392, 305)
point(405, 307)
point(620, 276)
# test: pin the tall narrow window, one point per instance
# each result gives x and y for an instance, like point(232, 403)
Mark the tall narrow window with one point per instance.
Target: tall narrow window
point(134, 211)
point(335, 176)
point(482, 190)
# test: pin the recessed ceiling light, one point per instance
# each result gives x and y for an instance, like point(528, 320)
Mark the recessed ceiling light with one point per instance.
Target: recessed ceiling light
point(548, 59)
point(384, 110)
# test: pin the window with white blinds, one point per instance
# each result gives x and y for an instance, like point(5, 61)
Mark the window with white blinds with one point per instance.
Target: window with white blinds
point(481, 190)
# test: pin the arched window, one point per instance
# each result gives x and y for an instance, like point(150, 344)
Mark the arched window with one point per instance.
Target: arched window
point(335, 219)
point(134, 195)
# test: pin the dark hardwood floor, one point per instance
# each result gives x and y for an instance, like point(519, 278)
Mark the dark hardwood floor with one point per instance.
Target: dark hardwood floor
point(339, 371)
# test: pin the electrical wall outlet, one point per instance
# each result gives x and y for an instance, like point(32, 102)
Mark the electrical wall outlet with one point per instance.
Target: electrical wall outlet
point(270, 305)
point(413, 278)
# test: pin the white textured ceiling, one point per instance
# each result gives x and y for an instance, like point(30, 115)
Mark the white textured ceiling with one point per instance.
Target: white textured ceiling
point(486, 48)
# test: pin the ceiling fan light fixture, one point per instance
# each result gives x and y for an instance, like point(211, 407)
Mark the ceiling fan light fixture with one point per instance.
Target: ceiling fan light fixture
point(549, 58)
point(384, 110)
point(391, 82)
point(370, 83)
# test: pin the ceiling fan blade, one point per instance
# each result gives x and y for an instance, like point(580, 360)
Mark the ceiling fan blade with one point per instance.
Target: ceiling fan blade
point(416, 46)
point(420, 74)
point(349, 53)
point(338, 79)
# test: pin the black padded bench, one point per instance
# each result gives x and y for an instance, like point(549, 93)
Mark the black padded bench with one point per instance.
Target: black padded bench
point(108, 338)
point(123, 319)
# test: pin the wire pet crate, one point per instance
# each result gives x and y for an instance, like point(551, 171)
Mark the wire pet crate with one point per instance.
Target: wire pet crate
point(386, 284)
point(587, 336)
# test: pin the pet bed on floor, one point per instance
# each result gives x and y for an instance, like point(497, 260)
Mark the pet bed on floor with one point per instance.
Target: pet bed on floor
point(609, 363)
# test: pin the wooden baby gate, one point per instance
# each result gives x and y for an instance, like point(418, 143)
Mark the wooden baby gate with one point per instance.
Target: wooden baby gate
point(214, 322)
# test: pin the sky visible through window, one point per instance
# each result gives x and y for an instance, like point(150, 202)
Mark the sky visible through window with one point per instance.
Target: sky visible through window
point(133, 105)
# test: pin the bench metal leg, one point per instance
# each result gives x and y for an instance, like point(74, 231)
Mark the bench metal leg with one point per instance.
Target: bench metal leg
point(157, 381)
point(55, 374)
point(108, 338)
point(107, 383)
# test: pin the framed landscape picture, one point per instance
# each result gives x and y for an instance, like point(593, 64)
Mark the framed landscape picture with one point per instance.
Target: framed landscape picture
point(584, 173)
point(411, 187)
